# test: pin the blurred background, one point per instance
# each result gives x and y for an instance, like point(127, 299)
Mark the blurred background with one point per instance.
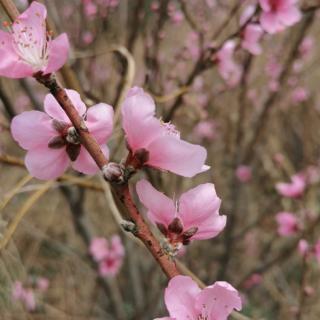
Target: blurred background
point(259, 121)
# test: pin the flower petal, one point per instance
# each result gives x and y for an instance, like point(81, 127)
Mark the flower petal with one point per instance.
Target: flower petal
point(32, 129)
point(11, 65)
point(270, 22)
point(85, 162)
point(138, 122)
point(180, 297)
point(175, 155)
point(58, 53)
point(199, 207)
point(289, 16)
point(218, 301)
point(100, 121)
point(161, 209)
point(45, 163)
point(53, 109)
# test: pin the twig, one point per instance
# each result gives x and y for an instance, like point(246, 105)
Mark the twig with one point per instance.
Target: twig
point(22, 212)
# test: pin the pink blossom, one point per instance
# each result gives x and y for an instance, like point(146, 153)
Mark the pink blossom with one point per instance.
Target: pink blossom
point(185, 300)
point(42, 284)
point(300, 94)
point(254, 280)
point(287, 224)
point(108, 255)
point(26, 296)
point(251, 37)
point(194, 216)
point(303, 247)
point(293, 189)
point(87, 37)
point(278, 14)
point(27, 48)
point(206, 129)
point(244, 173)
point(247, 14)
point(158, 141)
point(52, 142)
point(229, 70)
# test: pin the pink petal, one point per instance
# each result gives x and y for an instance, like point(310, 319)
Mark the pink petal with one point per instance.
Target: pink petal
point(29, 300)
point(289, 16)
point(138, 120)
point(58, 53)
point(161, 209)
point(270, 22)
point(199, 207)
point(180, 296)
point(32, 19)
point(219, 300)
point(100, 121)
point(175, 155)
point(99, 248)
point(32, 129)
point(11, 65)
point(265, 5)
point(45, 163)
point(85, 162)
point(53, 109)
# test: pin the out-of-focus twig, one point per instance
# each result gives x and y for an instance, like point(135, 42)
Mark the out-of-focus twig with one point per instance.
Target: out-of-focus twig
point(22, 212)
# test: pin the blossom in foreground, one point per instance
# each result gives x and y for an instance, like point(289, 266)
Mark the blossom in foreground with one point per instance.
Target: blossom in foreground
point(155, 143)
point(194, 216)
point(244, 173)
point(293, 189)
point(185, 300)
point(108, 255)
point(53, 143)
point(251, 37)
point(287, 224)
point(277, 15)
point(229, 70)
point(27, 48)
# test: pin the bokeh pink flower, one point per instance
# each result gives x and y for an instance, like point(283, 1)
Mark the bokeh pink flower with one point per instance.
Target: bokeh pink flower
point(277, 15)
point(288, 223)
point(293, 189)
point(108, 254)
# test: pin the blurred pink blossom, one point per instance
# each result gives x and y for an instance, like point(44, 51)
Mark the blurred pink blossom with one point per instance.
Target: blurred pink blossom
point(247, 14)
point(254, 280)
point(25, 296)
point(87, 37)
point(293, 189)
point(42, 284)
point(317, 250)
point(244, 173)
point(303, 247)
point(185, 300)
point(229, 70)
point(159, 142)
point(27, 48)
point(277, 15)
point(51, 141)
point(108, 255)
point(306, 47)
point(194, 216)
point(287, 223)
point(251, 37)
point(300, 94)
point(206, 129)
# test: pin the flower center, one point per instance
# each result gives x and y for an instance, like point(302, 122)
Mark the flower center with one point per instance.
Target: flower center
point(31, 44)
point(67, 137)
point(170, 129)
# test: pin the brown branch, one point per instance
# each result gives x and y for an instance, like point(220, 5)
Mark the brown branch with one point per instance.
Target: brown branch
point(142, 231)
